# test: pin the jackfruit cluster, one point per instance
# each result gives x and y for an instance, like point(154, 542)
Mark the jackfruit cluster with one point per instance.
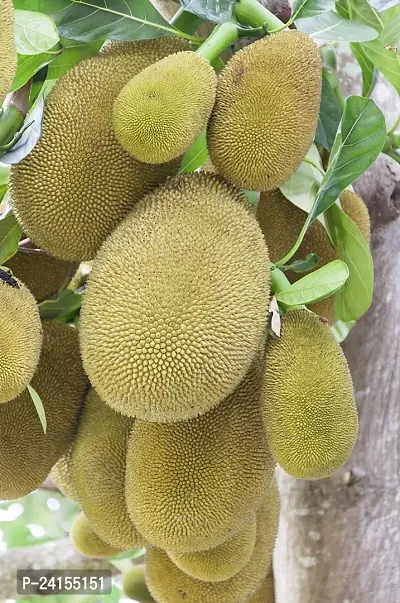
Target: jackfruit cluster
point(87, 542)
point(20, 336)
point(8, 53)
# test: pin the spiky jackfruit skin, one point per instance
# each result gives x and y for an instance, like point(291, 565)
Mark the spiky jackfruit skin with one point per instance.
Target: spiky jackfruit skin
point(134, 585)
point(87, 542)
point(307, 398)
point(167, 583)
point(266, 592)
point(8, 53)
point(162, 110)
point(26, 453)
point(61, 476)
point(192, 485)
point(78, 183)
point(176, 303)
point(42, 274)
point(357, 211)
point(224, 561)
point(98, 462)
point(20, 336)
point(266, 110)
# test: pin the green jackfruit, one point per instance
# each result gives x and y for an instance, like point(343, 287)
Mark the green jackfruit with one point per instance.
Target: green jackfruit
point(192, 485)
point(176, 303)
point(167, 583)
point(87, 542)
point(98, 463)
point(8, 53)
point(78, 183)
point(357, 211)
point(61, 476)
point(20, 336)
point(266, 110)
point(134, 585)
point(162, 110)
point(26, 453)
point(224, 561)
point(41, 273)
point(307, 399)
point(266, 592)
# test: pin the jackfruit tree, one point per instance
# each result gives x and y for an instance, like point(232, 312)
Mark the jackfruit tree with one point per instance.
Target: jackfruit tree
point(182, 254)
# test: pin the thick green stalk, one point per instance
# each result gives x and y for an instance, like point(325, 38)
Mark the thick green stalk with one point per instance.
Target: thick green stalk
point(221, 37)
point(251, 12)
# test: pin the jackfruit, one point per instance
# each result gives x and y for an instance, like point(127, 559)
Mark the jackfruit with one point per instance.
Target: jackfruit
point(266, 592)
point(266, 110)
point(41, 273)
point(281, 222)
point(224, 561)
point(20, 336)
point(78, 183)
point(192, 485)
point(61, 476)
point(162, 110)
point(98, 472)
point(167, 583)
point(307, 398)
point(176, 303)
point(87, 542)
point(26, 453)
point(134, 585)
point(8, 53)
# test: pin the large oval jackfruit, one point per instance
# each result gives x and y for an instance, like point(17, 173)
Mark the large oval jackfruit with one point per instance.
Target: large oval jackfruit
point(134, 585)
point(26, 453)
point(307, 399)
point(61, 475)
point(8, 53)
point(87, 542)
point(167, 583)
point(78, 183)
point(98, 462)
point(162, 110)
point(176, 302)
point(20, 336)
point(192, 485)
point(266, 110)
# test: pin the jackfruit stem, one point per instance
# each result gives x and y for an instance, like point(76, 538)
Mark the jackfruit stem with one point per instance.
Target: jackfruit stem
point(221, 37)
point(297, 244)
point(251, 12)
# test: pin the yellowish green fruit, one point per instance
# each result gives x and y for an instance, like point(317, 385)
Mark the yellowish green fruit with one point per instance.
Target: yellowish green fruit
point(61, 476)
point(8, 53)
point(78, 183)
point(98, 464)
point(162, 110)
point(307, 399)
point(134, 585)
point(26, 453)
point(167, 583)
point(266, 592)
point(192, 485)
point(356, 209)
point(224, 561)
point(266, 110)
point(176, 302)
point(20, 336)
point(87, 542)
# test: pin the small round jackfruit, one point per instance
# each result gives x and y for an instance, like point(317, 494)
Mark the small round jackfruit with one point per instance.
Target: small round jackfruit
point(168, 584)
point(87, 542)
point(26, 453)
point(307, 398)
point(134, 585)
point(356, 209)
point(176, 303)
point(266, 592)
point(41, 273)
point(61, 476)
point(266, 110)
point(78, 183)
point(224, 561)
point(98, 463)
point(8, 53)
point(20, 336)
point(192, 485)
point(162, 110)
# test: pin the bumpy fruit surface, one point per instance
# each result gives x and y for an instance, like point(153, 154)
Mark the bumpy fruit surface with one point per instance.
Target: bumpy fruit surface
point(8, 53)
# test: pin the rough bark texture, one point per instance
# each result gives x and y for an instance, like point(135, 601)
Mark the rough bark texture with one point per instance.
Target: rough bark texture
point(339, 539)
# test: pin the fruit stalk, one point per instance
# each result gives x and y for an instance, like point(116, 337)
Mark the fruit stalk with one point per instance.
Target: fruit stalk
point(251, 12)
point(222, 37)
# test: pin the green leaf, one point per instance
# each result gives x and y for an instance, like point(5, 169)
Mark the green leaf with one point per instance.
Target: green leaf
point(329, 115)
point(10, 234)
point(217, 11)
point(386, 60)
point(28, 65)
point(39, 407)
point(387, 15)
point(356, 296)
point(390, 35)
point(368, 70)
point(360, 11)
point(31, 133)
point(196, 156)
point(359, 140)
point(300, 266)
point(70, 56)
point(330, 26)
point(309, 8)
point(341, 329)
point(66, 303)
point(35, 33)
point(315, 286)
point(252, 196)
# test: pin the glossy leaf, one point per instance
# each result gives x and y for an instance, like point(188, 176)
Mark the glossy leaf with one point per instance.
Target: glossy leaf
point(330, 26)
point(315, 286)
point(310, 8)
point(386, 60)
point(34, 32)
point(10, 234)
point(329, 115)
point(390, 35)
point(70, 56)
point(300, 266)
point(196, 156)
point(360, 11)
point(28, 65)
point(39, 407)
point(368, 70)
point(66, 303)
point(217, 11)
point(29, 138)
point(387, 15)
